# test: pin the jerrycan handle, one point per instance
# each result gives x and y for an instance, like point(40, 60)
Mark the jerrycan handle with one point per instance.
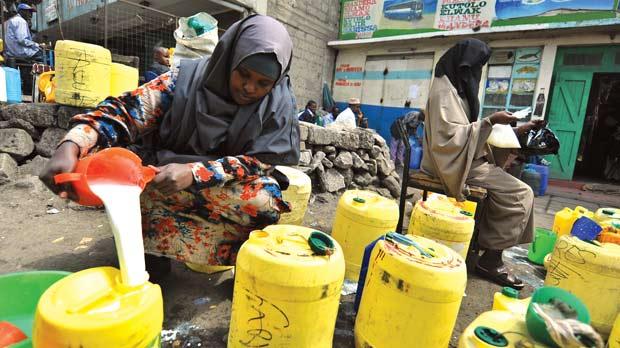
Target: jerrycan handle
point(66, 177)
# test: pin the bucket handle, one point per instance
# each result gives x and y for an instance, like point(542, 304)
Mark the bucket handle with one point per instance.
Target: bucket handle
point(67, 177)
point(148, 174)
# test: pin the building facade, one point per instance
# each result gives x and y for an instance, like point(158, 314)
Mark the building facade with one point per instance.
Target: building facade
point(561, 58)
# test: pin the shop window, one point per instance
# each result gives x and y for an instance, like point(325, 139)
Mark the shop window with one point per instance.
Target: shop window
point(511, 80)
point(617, 58)
point(583, 59)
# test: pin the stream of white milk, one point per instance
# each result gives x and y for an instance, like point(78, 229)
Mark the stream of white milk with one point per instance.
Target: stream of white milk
point(122, 204)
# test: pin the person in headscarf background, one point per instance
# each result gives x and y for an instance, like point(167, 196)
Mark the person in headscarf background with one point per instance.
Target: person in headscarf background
point(456, 151)
point(411, 120)
point(215, 128)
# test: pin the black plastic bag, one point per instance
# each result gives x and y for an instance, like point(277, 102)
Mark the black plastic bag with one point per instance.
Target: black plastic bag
point(539, 142)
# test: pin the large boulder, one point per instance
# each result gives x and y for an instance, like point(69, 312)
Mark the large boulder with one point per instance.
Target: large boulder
point(331, 180)
point(21, 124)
point(305, 157)
point(8, 168)
point(346, 140)
point(366, 138)
point(344, 160)
point(320, 136)
point(49, 141)
point(304, 130)
point(38, 114)
point(391, 183)
point(16, 142)
point(65, 113)
point(33, 166)
point(385, 165)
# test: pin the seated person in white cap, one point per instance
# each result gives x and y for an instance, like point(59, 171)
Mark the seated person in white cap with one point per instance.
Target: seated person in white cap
point(354, 106)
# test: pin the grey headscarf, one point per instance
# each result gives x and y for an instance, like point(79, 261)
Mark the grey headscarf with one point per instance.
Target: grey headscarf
point(204, 123)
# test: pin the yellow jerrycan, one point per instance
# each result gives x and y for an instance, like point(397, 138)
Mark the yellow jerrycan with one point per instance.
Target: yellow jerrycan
point(361, 217)
point(297, 195)
point(498, 328)
point(592, 273)
point(82, 73)
point(93, 309)
point(565, 218)
point(608, 218)
point(442, 221)
point(287, 289)
point(508, 300)
point(411, 295)
point(614, 337)
point(123, 79)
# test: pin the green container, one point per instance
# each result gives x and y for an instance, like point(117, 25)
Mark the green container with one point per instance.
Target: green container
point(19, 295)
point(536, 325)
point(544, 241)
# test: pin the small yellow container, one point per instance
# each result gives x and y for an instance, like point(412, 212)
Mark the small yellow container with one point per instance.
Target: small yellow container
point(614, 337)
point(606, 217)
point(590, 272)
point(361, 217)
point(297, 195)
point(92, 309)
point(442, 221)
point(565, 218)
point(285, 294)
point(412, 294)
point(82, 73)
point(498, 329)
point(508, 300)
point(124, 79)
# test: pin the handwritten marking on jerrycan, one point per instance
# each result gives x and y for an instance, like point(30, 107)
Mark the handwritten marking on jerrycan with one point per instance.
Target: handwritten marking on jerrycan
point(590, 272)
point(412, 294)
point(287, 290)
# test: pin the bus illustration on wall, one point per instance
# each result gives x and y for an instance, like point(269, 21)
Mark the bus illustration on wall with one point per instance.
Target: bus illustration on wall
point(404, 10)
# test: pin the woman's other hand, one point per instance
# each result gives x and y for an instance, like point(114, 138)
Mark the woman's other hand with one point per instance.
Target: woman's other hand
point(63, 160)
point(502, 117)
point(533, 124)
point(173, 178)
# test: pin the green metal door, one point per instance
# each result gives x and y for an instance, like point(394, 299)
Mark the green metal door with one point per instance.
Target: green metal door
point(566, 116)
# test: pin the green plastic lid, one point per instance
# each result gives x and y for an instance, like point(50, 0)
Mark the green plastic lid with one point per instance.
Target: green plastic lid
point(491, 336)
point(321, 243)
point(608, 212)
point(510, 292)
point(359, 200)
point(466, 213)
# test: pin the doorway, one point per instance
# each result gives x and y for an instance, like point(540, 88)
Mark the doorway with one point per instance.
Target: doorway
point(598, 158)
point(583, 89)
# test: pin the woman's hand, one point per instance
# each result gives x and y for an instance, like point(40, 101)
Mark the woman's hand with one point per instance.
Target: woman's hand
point(173, 178)
point(63, 160)
point(526, 127)
point(502, 117)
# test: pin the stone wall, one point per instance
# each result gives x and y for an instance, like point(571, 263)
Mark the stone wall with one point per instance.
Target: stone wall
point(311, 25)
point(337, 160)
point(29, 134)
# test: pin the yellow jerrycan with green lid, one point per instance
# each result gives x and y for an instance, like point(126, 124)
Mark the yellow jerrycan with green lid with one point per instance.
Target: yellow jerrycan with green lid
point(412, 294)
point(590, 271)
point(287, 289)
point(498, 328)
point(83, 73)
point(361, 217)
point(614, 337)
point(508, 300)
point(124, 78)
point(297, 195)
point(93, 309)
point(443, 221)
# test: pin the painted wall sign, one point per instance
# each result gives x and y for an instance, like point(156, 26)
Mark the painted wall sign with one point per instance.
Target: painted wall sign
point(380, 18)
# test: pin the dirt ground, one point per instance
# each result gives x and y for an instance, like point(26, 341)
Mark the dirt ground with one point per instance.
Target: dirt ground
point(39, 231)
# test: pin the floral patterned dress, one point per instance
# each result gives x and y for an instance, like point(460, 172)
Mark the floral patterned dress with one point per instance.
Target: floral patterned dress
point(206, 223)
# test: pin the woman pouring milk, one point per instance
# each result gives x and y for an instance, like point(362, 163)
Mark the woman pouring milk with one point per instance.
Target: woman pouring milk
point(215, 128)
